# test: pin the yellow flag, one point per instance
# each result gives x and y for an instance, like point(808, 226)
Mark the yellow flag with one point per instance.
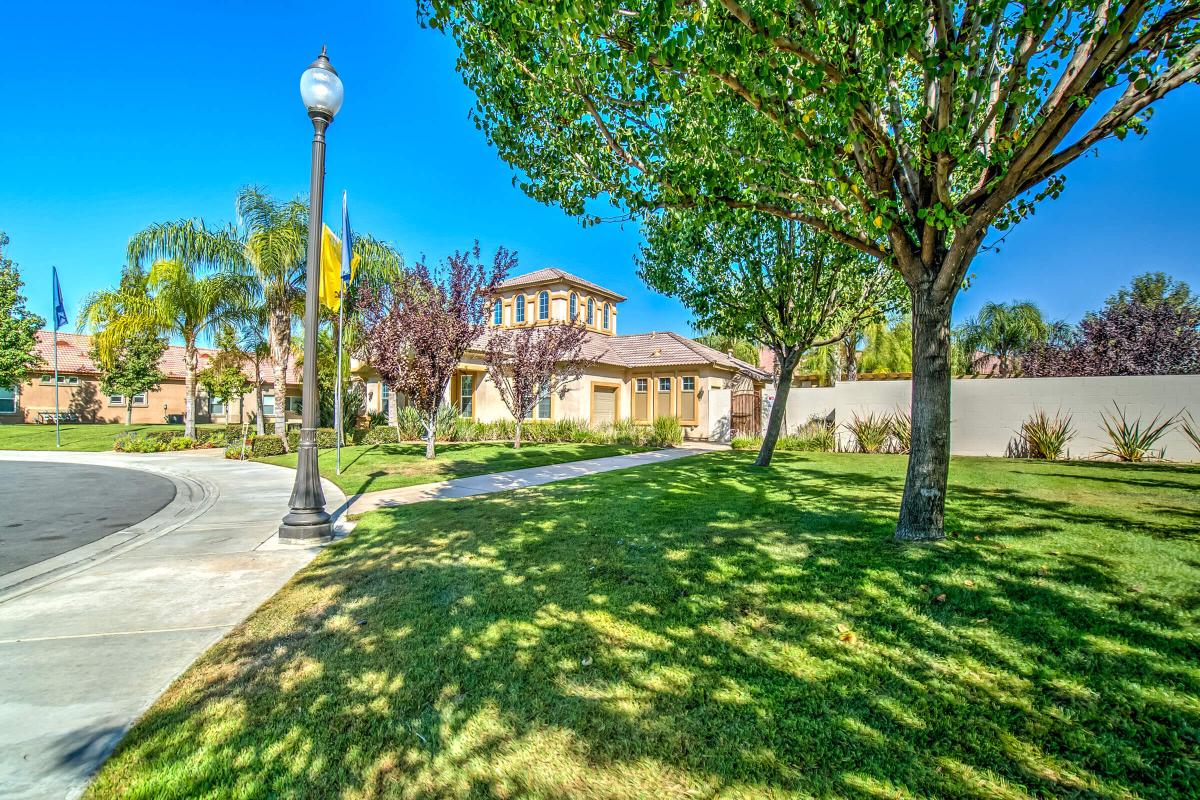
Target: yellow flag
point(331, 269)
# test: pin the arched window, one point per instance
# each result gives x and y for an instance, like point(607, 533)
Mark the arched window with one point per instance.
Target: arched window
point(498, 314)
point(544, 305)
point(519, 308)
point(591, 311)
point(574, 306)
point(606, 308)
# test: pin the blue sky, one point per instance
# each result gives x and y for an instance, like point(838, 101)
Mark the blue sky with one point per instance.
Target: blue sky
point(124, 114)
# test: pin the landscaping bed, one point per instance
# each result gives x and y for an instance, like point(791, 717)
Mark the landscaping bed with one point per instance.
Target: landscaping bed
point(705, 629)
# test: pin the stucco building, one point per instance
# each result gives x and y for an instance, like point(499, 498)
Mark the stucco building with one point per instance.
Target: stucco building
point(81, 397)
point(638, 377)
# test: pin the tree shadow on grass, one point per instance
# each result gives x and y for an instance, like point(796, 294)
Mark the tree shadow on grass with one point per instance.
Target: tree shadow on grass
point(694, 630)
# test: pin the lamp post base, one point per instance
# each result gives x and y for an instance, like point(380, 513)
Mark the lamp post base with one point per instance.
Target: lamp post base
point(308, 522)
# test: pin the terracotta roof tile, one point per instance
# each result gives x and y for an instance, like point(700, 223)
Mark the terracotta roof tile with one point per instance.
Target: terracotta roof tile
point(553, 275)
point(73, 349)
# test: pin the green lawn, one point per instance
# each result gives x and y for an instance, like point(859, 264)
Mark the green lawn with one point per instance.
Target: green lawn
point(370, 468)
point(702, 629)
point(92, 438)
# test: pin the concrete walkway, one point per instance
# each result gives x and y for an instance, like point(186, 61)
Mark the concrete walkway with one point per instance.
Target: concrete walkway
point(90, 637)
point(518, 478)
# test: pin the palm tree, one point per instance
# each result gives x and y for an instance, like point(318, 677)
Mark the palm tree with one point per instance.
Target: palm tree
point(1002, 331)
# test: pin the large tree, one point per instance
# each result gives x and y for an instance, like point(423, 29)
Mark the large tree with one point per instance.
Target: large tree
point(18, 327)
point(225, 376)
point(270, 243)
point(417, 327)
point(768, 280)
point(527, 364)
point(1003, 332)
point(906, 130)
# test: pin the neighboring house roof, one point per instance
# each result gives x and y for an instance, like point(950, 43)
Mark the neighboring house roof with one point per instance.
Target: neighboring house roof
point(641, 350)
point(73, 349)
point(555, 275)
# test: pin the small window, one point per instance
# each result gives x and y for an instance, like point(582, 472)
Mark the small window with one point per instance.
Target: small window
point(639, 385)
point(8, 401)
point(293, 403)
point(543, 408)
point(664, 384)
point(574, 306)
point(544, 305)
point(116, 399)
point(498, 313)
point(216, 406)
point(139, 399)
point(606, 308)
point(689, 384)
point(591, 311)
point(268, 405)
point(63, 380)
point(519, 308)
point(466, 394)
point(385, 396)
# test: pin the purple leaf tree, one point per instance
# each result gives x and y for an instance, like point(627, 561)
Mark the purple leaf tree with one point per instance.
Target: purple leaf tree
point(419, 325)
point(1128, 338)
point(527, 364)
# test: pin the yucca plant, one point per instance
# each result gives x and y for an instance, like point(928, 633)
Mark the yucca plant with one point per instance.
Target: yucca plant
point(902, 431)
point(1132, 441)
point(1190, 430)
point(870, 432)
point(1046, 436)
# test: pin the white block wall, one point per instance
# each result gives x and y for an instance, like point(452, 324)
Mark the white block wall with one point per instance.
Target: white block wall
point(986, 413)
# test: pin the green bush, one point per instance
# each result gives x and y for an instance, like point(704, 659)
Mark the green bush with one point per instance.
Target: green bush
point(266, 445)
point(408, 420)
point(745, 443)
point(326, 438)
point(385, 434)
point(814, 436)
point(667, 432)
point(376, 418)
point(153, 442)
point(234, 451)
point(870, 432)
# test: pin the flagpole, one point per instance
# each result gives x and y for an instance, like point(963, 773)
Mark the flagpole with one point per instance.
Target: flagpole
point(57, 427)
point(337, 401)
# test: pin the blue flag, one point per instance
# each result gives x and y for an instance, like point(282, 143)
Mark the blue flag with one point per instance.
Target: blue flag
point(60, 311)
point(347, 244)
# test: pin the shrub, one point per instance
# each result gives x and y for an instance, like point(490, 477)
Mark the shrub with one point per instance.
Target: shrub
point(745, 443)
point(1130, 441)
point(468, 430)
point(815, 436)
point(870, 432)
point(135, 443)
point(443, 428)
point(266, 445)
point(233, 431)
point(1043, 436)
point(902, 431)
point(408, 420)
point(385, 434)
point(326, 439)
point(376, 418)
point(667, 432)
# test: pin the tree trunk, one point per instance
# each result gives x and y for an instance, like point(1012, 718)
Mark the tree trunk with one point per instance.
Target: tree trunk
point(924, 501)
point(852, 356)
point(128, 411)
point(281, 342)
point(517, 437)
point(783, 387)
point(189, 387)
point(430, 431)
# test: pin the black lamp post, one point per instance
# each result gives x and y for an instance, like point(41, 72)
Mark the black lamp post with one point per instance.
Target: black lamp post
point(307, 521)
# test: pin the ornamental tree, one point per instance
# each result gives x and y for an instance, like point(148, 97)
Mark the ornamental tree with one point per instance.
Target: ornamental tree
point(769, 280)
point(416, 327)
point(225, 378)
point(906, 130)
point(527, 364)
point(18, 327)
point(130, 367)
point(1126, 338)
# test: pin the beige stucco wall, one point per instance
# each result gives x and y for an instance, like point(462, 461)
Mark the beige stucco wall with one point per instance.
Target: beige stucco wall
point(985, 414)
point(560, 294)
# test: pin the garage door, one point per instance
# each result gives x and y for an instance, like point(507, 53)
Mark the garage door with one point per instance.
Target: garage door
point(604, 404)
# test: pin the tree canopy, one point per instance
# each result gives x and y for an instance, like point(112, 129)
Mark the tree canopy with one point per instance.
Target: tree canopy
point(18, 326)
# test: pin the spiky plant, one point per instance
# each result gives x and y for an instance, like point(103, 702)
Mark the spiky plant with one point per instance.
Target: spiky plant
point(870, 432)
point(1046, 436)
point(901, 429)
point(1190, 430)
point(1130, 439)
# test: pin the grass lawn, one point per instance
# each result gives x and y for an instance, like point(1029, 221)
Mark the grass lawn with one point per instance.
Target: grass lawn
point(701, 629)
point(370, 468)
point(92, 438)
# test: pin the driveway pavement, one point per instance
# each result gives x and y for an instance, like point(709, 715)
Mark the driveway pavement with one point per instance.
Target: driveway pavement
point(90, 636)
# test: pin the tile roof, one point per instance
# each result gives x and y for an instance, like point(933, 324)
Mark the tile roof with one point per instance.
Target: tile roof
point(641, 350)
point(73, 357)
point(554, 275)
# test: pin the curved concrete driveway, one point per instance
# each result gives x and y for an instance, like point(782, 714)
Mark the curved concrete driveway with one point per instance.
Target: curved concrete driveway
point(90, 637)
